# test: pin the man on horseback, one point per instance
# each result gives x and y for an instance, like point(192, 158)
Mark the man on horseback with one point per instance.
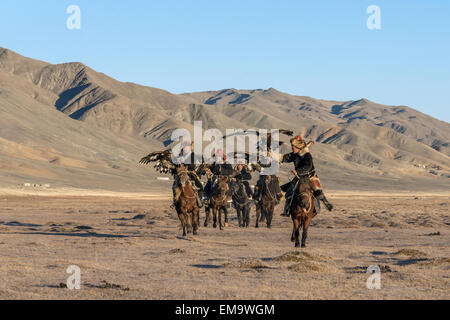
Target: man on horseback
point(271, 180)
point(186, 153)
point(243, 175)
point(219, 167)
point(304, 167)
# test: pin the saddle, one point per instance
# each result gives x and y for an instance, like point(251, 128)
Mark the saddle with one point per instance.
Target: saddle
point(296, 193)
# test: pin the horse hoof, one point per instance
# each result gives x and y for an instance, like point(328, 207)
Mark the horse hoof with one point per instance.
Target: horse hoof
point(195, 233)
point(297, 245)
point(303, 246)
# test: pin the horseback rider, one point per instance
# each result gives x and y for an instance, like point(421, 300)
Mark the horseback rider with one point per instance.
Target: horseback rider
point(269, 179)
point(186, 159)
point(304, 167)
point(242, 174)
point(219, 167)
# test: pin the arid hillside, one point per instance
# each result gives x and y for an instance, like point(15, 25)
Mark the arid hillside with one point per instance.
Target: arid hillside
point(69, 125)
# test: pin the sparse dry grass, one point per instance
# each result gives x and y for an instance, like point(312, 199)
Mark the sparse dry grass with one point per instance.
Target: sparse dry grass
point(135, 245)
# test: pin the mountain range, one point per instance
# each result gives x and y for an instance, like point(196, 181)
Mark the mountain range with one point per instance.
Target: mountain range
point(69, 125)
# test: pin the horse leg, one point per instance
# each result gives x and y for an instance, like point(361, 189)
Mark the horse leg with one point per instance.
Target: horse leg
point(207, 215)
point(188, 219)
point(269, 216)
point(263, 214)
point(183, 223)
point(293, 230)
point(297, 225)
point(195, 221)
point(238, 211)
point(258, 215)
point(220, 219)
point(225, 212)
point(247, 216)
point(305, 230)
point(214, 217)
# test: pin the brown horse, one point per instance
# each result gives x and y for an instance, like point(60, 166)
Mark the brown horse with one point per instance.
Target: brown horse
point(266, 206)
point(218, 202)
point(302, 210)
point(187, 209)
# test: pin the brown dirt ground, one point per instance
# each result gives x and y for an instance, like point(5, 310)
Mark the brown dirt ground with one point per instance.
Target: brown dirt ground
point(131, 248)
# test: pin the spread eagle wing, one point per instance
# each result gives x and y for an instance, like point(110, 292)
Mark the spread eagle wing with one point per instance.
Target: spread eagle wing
point(157, 156)
point(162, 159)
point(289, 133)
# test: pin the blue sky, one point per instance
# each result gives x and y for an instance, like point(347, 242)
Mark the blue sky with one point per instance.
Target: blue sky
point(318, 48)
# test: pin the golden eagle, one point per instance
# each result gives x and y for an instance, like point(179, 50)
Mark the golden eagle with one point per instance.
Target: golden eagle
point(163, 161)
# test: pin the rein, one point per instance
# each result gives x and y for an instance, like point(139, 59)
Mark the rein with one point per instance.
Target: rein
point(182, 187)
point(241, 204)
point(271, 196)
point(224, 195)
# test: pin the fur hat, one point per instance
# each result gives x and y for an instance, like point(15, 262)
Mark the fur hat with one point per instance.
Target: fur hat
point(298, 142)
point(301, 144)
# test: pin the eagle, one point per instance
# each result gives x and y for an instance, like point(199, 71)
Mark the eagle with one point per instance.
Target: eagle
point(163, 161)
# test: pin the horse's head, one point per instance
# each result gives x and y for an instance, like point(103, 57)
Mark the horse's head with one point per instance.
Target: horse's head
point(235, 186)
point(182, 174)
point(221, 186)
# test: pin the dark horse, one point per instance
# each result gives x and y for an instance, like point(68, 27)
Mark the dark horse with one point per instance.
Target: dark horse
point(266, 206)
point(218, 202)
point(241, 202)
point(302, 210)
point(187, 209)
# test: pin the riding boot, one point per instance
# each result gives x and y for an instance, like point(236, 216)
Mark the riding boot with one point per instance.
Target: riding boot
point(199, 201)
point(174, 203)
point(285, 212)
point(325, 201)
point(288, 196)
point(256, 195)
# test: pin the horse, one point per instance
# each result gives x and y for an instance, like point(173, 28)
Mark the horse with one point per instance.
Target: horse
point(187, 209)
point(218, 202)
point(302, 210)
point(266, 205)
point(241, 202)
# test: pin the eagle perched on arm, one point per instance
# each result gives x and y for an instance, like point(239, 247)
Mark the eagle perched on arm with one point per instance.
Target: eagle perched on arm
point(163, 161)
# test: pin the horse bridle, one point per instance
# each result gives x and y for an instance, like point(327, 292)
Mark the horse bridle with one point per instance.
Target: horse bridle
point(241, 204)
point(224, 195)
point(185, 172)
point(272, 197)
